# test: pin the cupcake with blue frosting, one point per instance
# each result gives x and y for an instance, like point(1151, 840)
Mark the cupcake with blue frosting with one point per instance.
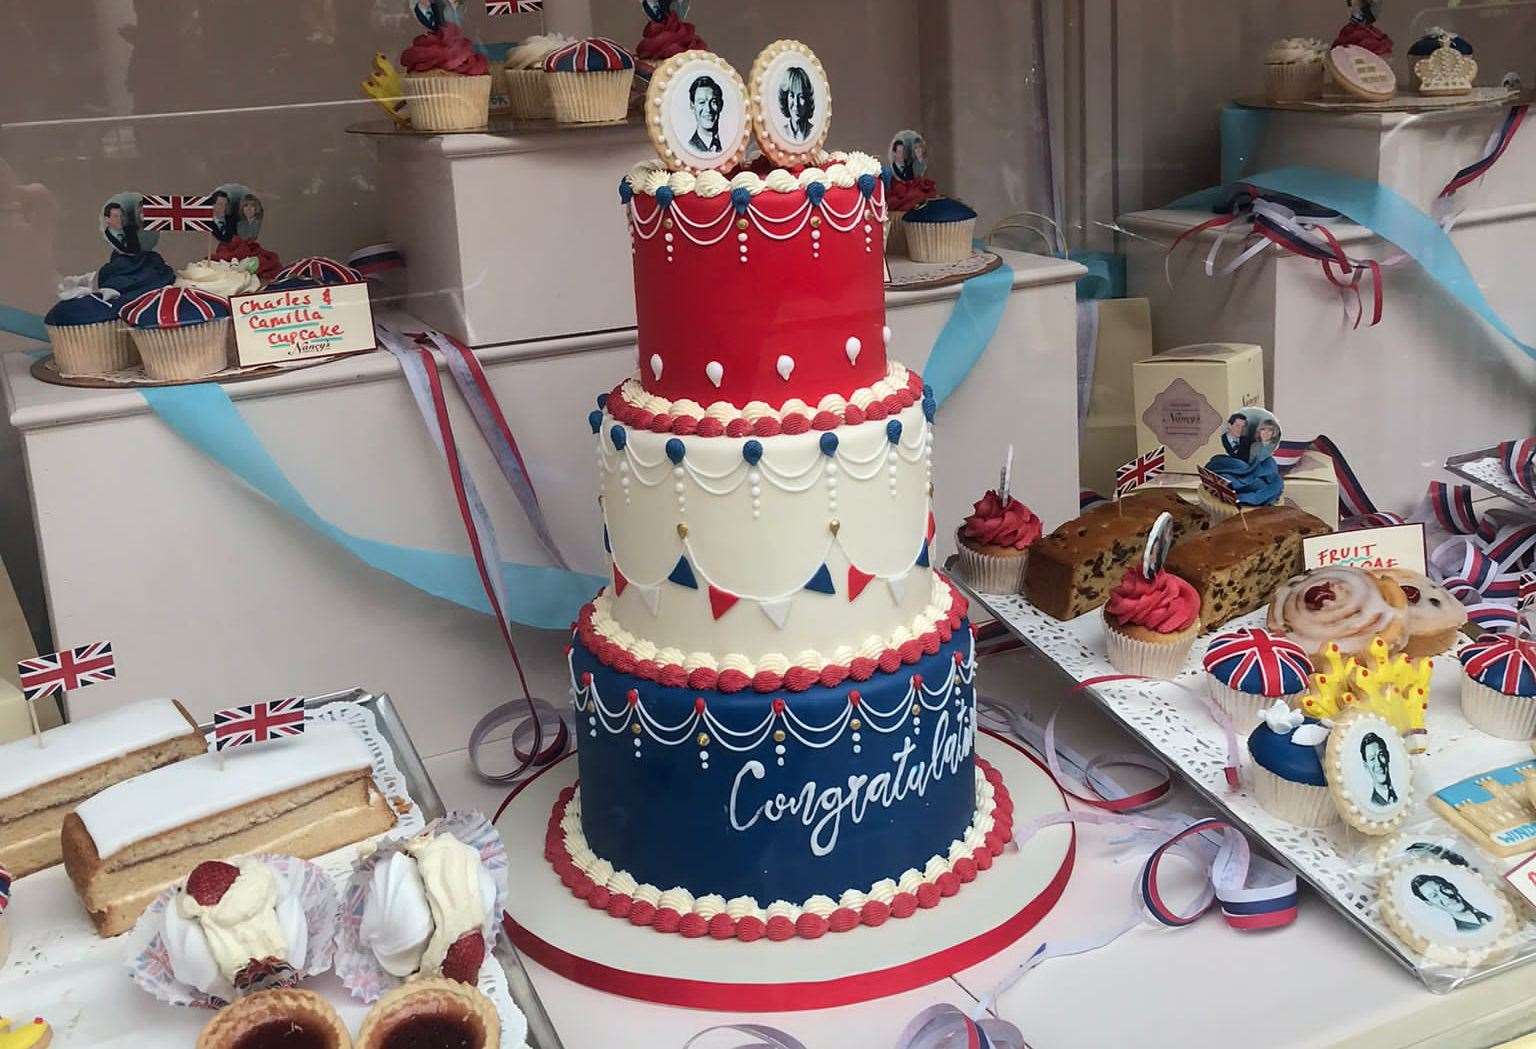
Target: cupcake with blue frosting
point(939, 230)
point(87, 337)
point(589, 81)
point(1249, 669)
point(1498, 685)
point(181, 333)
point(1287, 773)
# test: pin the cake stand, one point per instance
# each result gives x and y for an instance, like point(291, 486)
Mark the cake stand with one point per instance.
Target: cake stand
point(550, 925)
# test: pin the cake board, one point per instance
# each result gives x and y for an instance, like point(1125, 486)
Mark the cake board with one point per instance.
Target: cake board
point(547, 923)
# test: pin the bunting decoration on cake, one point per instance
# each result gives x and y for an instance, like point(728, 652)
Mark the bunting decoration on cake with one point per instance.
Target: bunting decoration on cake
point(177, 213)
point(857, 581)
point(720, 601)
point(821, 582)
point(1139, 471)
point(682, 574)
point(258, 722)
point(66, 670)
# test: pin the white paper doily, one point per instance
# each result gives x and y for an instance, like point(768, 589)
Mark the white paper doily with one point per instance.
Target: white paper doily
point(1338, 861)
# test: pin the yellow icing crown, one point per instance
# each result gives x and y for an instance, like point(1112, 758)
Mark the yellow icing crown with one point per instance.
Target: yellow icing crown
point(24, 1037)
point(1395, 687)
point(383, 86)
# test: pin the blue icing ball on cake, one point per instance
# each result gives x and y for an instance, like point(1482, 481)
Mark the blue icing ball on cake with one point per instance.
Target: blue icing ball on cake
point(174, 307)
point(940, 209)
point(595, 54)
point(92, 308)
point(1253, 661)
point(1276, 751)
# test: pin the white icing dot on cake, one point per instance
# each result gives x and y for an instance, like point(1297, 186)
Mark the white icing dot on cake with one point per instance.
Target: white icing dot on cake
point(785, 366)
point(852, 348)
point(656, 364)
point(716, 372)
point(885, 333)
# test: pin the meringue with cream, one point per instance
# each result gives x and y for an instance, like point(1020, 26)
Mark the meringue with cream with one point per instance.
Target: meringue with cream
point(422, 901)
point(257, 917)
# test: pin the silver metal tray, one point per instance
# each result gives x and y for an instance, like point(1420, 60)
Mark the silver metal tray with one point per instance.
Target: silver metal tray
point(541, 1031)
point(1494, 481)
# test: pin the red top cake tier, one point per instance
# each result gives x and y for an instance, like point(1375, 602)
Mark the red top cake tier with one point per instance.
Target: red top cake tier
point(763, 288)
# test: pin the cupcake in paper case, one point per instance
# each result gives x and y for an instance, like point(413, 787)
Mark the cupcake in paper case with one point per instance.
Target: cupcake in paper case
point(1288, 777)
point(1293, 69)
point(527, 83)
point(1150, 623)
point(939, 230)
point(224, 277)
point(589, 81)
point(666, 34)
point(87, 337)
point(1498, 686)
point(423, 907)
point(447, 82)
point(901, 196)
point(1250, 668)
point(317, 271)
point(254, 924)
point(994, 543)
point(181, 333)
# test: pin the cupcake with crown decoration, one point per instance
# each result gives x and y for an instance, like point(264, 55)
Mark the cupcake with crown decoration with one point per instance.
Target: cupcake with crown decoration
point(589, 81)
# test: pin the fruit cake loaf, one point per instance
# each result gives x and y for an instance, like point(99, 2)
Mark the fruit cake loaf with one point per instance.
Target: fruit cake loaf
point(302, 796)
point(1237, 565)
point(42, 781)
point(1072, 570)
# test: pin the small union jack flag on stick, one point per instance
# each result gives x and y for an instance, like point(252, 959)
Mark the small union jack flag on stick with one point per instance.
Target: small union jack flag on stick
point(1219, 487)
point(1139, 471)
point(66, 670)
point(507, 7)
point(177, 213)
point(258, 722)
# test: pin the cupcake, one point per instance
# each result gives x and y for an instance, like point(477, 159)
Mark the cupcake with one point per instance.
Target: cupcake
point(901, 196)
point(1498, 689)
point(300, 1018)
point(994, 543)
point(317, 271)
point(1288, 777)
point(666, 34)
point(589, 81)
point(131, 275)
point(1150, 623)
point(87, 337)
point(447, 83)
point(224, 277)
point(1293, 69)
point(527, 83)
point(939, 230)
point(181, 333)
point(1249, 669)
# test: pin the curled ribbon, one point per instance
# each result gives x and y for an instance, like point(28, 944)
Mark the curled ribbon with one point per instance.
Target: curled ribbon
point(84, 286)
point(760, 1036)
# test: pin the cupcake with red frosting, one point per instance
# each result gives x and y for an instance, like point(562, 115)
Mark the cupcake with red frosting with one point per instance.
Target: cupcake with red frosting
point(1151, 622)
point(665, 35)
point(447, 82)
point(994, 543)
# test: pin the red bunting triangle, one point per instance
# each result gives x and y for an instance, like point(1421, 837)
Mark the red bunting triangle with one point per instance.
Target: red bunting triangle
point(932, 526)
point(720, 602)
point(857, 581)
point(619, 582)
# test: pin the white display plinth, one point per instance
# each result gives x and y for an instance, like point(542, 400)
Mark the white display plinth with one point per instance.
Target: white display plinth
point(1414, 154)
point(214, 596)
point(1428, 381)
point(515, 235)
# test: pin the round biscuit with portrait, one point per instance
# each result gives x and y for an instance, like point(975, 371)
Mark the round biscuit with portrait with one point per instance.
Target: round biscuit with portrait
point(791, 102)
point(1370, 772)
point(696, 113)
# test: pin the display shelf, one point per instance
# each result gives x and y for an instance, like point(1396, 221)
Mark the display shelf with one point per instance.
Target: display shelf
point(1484, 469)
point(1171, 719)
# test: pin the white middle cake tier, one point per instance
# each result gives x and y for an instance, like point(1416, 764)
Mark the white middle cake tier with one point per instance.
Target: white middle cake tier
point(782, 546)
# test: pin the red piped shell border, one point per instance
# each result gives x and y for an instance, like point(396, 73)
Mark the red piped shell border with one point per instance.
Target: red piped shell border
point(795, 679)
point(779, 928)
point(765, 426)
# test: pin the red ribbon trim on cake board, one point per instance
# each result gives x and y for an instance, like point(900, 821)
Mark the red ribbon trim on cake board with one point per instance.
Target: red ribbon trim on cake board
point(800, 995)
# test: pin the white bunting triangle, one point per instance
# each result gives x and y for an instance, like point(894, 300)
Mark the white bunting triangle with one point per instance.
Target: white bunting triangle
point(898, 585)
point(651, 595)
point(777, 611)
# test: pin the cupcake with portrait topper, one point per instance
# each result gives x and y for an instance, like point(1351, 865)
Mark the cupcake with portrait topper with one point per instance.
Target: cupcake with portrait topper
point(238, 217)
point(909, 185)
point(1356, 63)
point(1287, 773)
point(446, 79)
point(87, 337)
point(1152, 616)
point(1441, 63)
point(1246, 464)
point(994, 541)
point(134, 267)
point(1362, 31)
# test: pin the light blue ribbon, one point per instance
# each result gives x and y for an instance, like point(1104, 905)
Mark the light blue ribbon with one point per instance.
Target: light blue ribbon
point(1242, 129)
point(1387, 214)
point(965, 336)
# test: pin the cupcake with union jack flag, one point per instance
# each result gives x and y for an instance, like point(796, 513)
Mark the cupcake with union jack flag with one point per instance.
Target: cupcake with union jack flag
point(1249, 669)
point(181, 333)
point(1498, 687)
point(589, 81)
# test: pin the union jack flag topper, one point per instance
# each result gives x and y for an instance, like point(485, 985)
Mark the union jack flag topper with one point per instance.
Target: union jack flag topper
point(1218, 486)
point(66, 670)
point(507, 7)
point(177, 213)
point(258, 722)
point(1254, 661)
point(1139, 471)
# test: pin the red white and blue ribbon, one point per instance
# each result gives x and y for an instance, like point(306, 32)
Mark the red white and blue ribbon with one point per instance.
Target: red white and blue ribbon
point(1519, 461)
point(1498, 142)
point(376, 259)
point(1484, 557)
point(1356, 510)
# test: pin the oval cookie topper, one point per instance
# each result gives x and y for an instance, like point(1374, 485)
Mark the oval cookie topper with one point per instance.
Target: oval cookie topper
point(696, 112)
point(1449, 914)
point(1370, 772)
point(909, 155)
point(121, 226)
point(791, 102)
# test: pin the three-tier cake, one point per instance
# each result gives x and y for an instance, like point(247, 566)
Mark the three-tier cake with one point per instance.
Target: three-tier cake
point(774, 697)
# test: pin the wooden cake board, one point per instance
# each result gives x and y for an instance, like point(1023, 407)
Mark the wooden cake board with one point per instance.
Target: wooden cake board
point(562, 933)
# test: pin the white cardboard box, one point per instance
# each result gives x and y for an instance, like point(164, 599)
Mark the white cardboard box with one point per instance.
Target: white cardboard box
point(1183, 398)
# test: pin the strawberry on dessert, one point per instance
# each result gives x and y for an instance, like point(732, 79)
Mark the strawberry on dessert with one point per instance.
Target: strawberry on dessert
point(235, 928)
point(430, 910)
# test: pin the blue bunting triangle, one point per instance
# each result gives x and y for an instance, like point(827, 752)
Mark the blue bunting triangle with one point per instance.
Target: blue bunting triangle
point(682, 574)
point(821, 582)
point(922, 556)
point(607, 546)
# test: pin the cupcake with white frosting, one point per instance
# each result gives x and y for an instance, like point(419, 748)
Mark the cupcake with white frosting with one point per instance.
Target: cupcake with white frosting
point(1293, 69)
point(226, 278)
point(526, 82)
